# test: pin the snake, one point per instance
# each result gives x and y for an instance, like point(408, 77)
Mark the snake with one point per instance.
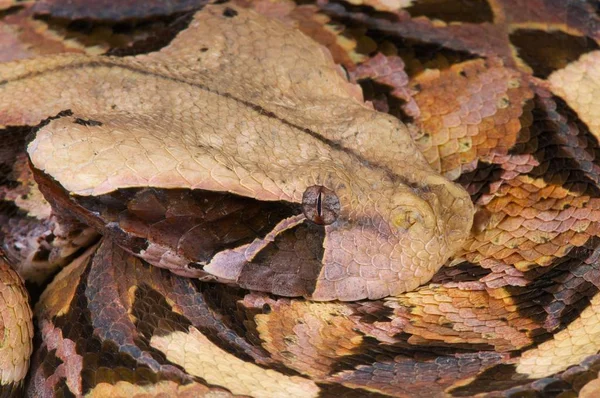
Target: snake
point(232, 218)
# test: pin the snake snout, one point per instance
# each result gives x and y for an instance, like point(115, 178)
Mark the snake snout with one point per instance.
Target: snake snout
point(413, 215)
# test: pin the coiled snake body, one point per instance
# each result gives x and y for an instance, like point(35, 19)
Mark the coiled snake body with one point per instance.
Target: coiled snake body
point(267, 233)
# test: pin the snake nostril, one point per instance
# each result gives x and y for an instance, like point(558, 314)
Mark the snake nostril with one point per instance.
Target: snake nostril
point(405, 218)
point(415, 216)
point(320, 205)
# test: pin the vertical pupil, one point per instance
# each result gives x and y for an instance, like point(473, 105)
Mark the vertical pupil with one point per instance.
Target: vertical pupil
point(320, 205)
point(319, 199)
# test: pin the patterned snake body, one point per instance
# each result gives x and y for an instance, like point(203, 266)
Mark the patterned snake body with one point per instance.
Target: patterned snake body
point(239, 154)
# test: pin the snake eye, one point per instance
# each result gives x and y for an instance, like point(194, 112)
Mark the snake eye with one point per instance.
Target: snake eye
point(320, 205)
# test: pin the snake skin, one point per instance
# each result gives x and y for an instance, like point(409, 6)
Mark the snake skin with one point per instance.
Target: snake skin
point(515, 314)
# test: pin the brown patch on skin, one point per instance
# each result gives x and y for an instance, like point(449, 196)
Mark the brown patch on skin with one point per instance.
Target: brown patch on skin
point(195, 224)
point(153, 316)
point(477, 11)
point(479, 39)
point(107, 10)
point(501, 377)
point(374, 311)
point(423, 377)
point(504, 378)
point(481, 220)
point(88, 122)
point(167, 27)
point(468, 114)
point(462, 272)
point(555, 296)
point(543, 208)
point(480, 182)
point(289, 265)
point(11, 390)
point(547, 52)
point(59, 294)
point(229, 12)
point(578, 16)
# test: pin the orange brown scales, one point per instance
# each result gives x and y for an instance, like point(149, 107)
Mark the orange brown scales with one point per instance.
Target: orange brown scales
point(439, 316)
point(468, 113)
point(308, 337)
point(357, 345)
point(522, 235)
point(539, 216)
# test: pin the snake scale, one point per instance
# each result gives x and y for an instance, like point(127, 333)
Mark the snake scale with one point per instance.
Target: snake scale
point(233, 214)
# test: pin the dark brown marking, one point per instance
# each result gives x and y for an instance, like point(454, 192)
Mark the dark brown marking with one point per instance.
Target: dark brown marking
point(481, 220)
point(338, 390)
point(194, 223)
point(463, 272)
point(88, 122)
point(499, 377)
point(288, 266)
point(472, 11)
point(229, 12)
point(546, 52)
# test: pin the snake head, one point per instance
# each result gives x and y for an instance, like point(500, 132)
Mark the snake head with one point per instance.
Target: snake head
point(243, 156)
point(392, 242)
point(316, 231)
